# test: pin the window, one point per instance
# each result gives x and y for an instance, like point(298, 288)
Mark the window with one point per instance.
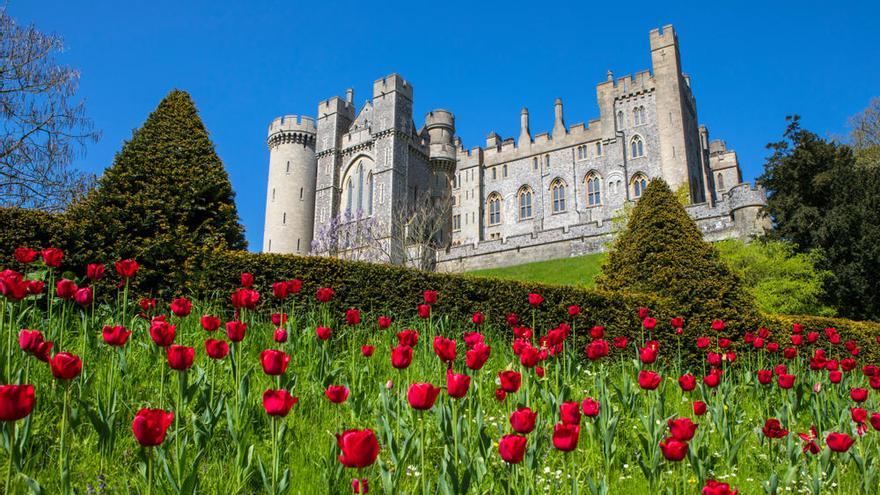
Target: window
point(494, 203)
point(504, 171)
point(288, 167)
point(284, 218)
point(535, 163)
point(594, 189)
point(639, 115)
point(637, 147)
point(273, 190)
point(599, 148)
point(720, 182)
point(300, 194)
point(525, 203)
point(370, 195)
point(494, 173)
point(547, 161)
point(557, 187)
point(349, 194)
point(620, 120)
point(456, 222)
point(640, 182)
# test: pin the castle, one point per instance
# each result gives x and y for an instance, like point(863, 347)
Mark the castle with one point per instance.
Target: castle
point(368, 185)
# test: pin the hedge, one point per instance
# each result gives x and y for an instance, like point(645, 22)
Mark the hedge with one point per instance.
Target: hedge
point(863, 332)
point(35, 229)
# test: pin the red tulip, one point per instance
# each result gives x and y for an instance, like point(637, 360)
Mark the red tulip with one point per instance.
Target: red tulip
point(565, 436)
point(294, 286)
point(424, 311)
point(383, 322)
point(598, 332)
point(180, 357)
point(512, 448)
point(539, 371)
point(648, 354)
point(216, 349)
point(620, 342)
point(65, 366)
point(687, 382)
point(875, 421)
point(162, 332)
point(359, 448)
point(421, 396)
point(444, 348)
point(765, 377)
point(682, 429)
point(570, 413)
point(65, 289)
point(245, 298)
point(279, 319)
point(323, 333)
point(24, 255)
point(712, 379)
point(181, 307)
point(590, 407)
point(235, 330)
point(673, 450)
point(699, 408)
point(597, 349)
point(115, 335)
point(773, 429)
point(511, 319)
point(83, 296)
point(401, 356)
point(95, 271)
point(337, 393)
point(147, 304)
point(127, 268)
point(210, 323)
point(430, 297)
point(649, 380)
point(16, 401)
point(247, 279)
point(677, 322)
point(150, 425)
point(274, 362)
point(279, 290)
point(574, 310)
point(643, 313)
point(859, 394)
point(52, 257)
point(457, 385)
point(408, 337)
point(477, 357)
point(713, 487)
point(839, 442)
point(31, 342)
point(367, 350)
point(352, 316)
point(523, 420)
point(835, 376)
point(478, 318)
point(510, 381)
point(535, 300)
point(858, 414)
point(717, 325)
point(649, 323)
point(500, 394)
point(529, 356)
point(278, 402)
point(324, 294)
point(471, 339)
point(35, 287)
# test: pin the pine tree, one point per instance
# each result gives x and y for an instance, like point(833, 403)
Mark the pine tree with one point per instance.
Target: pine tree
point(662, 252)
point(166, 195)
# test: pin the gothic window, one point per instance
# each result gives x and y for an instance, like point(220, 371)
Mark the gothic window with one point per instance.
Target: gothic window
point(525, 202)
point(494, 173)
point(639, 183)
point(594, 189)
point(547, 161)
point(456, 222)
point(535, 163)
point(370, 195)
point(620, 120)
point(360, 187)
point(557, 187)
point(642, 118)
point(504, 171)
point(494, 204)
point(637, 147)
point(598, 148)
point(720, 182)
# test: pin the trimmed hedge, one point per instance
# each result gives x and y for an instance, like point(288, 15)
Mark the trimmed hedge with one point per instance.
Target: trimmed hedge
point(22, 227)
point(863, 332)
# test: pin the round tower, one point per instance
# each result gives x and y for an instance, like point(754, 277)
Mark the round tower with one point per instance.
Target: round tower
point(290, 198)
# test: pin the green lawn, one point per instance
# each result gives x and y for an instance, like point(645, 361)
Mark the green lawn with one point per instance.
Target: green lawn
point(578, 271)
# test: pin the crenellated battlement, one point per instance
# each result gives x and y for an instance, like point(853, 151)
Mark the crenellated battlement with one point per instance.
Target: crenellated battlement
point(293, 123)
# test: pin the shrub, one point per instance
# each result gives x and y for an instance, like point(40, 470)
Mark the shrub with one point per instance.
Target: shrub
point(662, 252)
point(863, 332)
point(165, 195)
point(22, 227)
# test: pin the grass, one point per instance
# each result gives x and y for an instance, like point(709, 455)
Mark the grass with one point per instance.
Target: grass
point(579, 271)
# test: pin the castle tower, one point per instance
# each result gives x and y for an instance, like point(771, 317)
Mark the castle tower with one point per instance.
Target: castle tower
point(290, 198)
point(440, 125)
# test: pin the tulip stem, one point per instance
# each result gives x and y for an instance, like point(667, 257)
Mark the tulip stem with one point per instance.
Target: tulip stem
point(62, 458)
point(181, 383)
point(149, 471)
point(11, 454)
point(274, 456)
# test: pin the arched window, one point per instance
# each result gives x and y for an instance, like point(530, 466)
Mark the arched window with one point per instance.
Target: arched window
point(594, 189)
point(720, 182)
point(360, 187)
point(370, 195)
point(535, 163)
point(642, 118)
point(639, 183)
point(557, 188)
point(637, 147)
point(525, 202)
point(349, 186)
point(494, 206)
point(636, 118)
point(620, 119)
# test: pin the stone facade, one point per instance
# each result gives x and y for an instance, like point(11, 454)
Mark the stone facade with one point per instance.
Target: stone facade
point(512, 201)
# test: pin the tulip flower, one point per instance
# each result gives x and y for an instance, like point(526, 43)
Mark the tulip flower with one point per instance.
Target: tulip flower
point(649, 380)
point(279, 290)
point(682, 429)
point(360, 448)
point(115, 335)
point(713, 487)
point(859, 394)
point(408, 337)
point(244, 298)
point(180, 357)
point(401, 356)
point(216, 349)
point(590, 407)
point(687, 382)
point(352, 317)
point(181, 307)
point(337, 393)
point(274, 362)
point(457, 385)
point(31, 342)
point(477, 357)
point(424, 311)
point(383, 322)
point(570, 413)
point(444, 348)
point(162, 332)
point(478, 318)
point(523, 420)
point(127, 268)
point(65, 366)
point(510, 381)
point(699, 408)
point(785, 381)
point(280, 335)
point(512, 448)
point(24, 255)
point(421, 396)
point(151, 425)
point(565, 436)
point(430, 297)
point(323, 333)
point(65, 289)
point(16, 401)
point(673, 450)
point(278, 402)
point(535, 300)
point(94, 271)
point(279, 319)
point(52, 257)
point(597, 349)
point(324, 294)
point(839, 442)
point(210, 323)
point(235, 330)
point(773, 429)
point(247, 279)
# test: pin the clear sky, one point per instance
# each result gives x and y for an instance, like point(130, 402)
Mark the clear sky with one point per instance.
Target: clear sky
point(247, 62)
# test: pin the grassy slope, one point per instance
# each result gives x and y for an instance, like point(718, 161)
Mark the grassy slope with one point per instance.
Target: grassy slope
point(578, 271)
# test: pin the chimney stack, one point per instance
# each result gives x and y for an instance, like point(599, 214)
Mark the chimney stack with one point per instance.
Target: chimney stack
point(524, 136)
point(558, 123)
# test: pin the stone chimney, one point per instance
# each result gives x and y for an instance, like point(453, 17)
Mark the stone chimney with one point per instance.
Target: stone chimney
point(558, 122)
point(524, 136)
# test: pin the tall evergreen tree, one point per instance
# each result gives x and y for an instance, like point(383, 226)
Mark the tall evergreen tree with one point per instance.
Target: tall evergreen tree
point(166, 194)
point(821, 198)
point(662, 252)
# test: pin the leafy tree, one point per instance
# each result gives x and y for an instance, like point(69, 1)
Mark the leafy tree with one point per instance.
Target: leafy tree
point(662, 252)
point(864, 134)
point(820, 198)
point(782, 280)
point(166, 195)
point(43, 126)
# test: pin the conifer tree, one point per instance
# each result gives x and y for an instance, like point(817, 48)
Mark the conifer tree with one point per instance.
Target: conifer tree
point(662, 252)
point(166, 195)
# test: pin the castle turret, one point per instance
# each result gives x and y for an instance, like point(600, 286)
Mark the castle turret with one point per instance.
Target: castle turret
point(290, 199)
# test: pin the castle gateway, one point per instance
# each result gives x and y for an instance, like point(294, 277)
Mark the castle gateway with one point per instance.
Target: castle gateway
point(369, 185)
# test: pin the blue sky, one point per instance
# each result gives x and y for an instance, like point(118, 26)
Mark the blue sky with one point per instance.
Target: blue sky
point(247, 62)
